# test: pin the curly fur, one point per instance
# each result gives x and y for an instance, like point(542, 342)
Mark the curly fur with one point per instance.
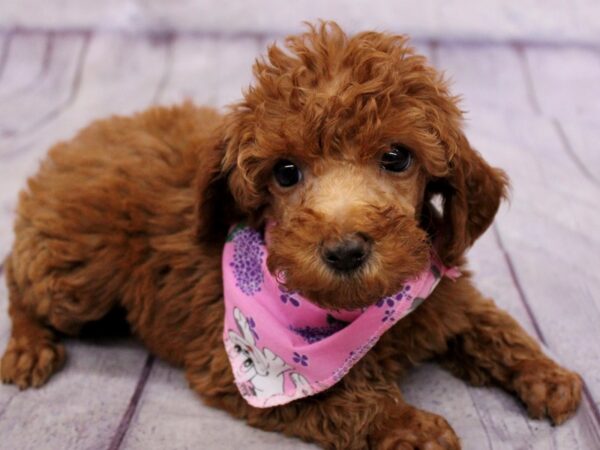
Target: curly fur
point(132, 213)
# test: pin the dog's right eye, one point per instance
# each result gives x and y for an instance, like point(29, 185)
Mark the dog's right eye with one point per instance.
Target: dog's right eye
point(397, 159)
point(286, 173)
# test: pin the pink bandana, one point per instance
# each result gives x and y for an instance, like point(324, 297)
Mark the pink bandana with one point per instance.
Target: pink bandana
point(283, 347)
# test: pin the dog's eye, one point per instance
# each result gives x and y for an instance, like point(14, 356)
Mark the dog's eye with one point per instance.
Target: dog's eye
point(397, 159)
point(286, 173)
point(248, 363)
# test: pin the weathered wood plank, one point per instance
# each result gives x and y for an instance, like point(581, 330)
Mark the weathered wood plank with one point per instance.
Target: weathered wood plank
point(503, 415)
point(491, 78)
point(170, 415)
point(571, 76)
point(118, 436)
point(487, 417)
point(56, 88)
point(575, 21)
point(547, 185)
point(5, 39)
point(121, 74)
point(565, 80)
point(537, 83)
point(550, 203)
point(81, 406)
point(474, 75)
point(26, 58)
point(580, 139)
point(210, 71)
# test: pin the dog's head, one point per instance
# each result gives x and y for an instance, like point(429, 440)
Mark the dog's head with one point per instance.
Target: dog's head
point(342, 144)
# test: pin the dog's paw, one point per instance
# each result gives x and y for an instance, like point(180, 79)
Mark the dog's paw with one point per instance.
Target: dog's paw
point(549, 390)
point(416, 429)
point(30, 364)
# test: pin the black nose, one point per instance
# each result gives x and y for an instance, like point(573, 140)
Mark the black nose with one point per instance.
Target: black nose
point(347, 254)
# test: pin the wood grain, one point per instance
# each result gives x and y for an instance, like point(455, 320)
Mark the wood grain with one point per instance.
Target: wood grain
point(26, 61)
point(554, 21)
point(120, 76)
point(544, 238)
point(171, 416)
point(97, 385)
point(56, 88)
point(572, 76)
point(81, 406)
point(209, 72)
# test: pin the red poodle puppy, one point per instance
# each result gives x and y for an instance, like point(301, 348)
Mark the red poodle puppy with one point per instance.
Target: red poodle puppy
point(333, 161)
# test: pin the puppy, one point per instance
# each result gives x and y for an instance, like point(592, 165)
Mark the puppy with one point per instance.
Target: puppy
point(341, 141)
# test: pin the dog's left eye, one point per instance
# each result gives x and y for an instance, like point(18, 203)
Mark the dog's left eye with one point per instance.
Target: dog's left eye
point(286, 173)
point(397, 159)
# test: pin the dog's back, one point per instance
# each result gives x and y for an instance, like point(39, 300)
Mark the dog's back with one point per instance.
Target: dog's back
point(113, 205)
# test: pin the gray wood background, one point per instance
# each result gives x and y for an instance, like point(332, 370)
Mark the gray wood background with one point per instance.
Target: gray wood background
point(529, 73)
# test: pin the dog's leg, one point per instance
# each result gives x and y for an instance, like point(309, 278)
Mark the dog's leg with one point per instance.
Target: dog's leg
point(33, 353)
point(43, 299)
point(493, 348)
point(365, 410)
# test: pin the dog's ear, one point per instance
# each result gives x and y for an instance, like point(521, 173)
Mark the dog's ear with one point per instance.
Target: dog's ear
point(471, 193)
point(244, 164)
point(230, 183)
point(216, 210)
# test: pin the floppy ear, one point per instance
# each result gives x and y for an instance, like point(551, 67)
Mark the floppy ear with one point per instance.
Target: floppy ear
point(244, 164)
point(471, 194)
point(216, 209)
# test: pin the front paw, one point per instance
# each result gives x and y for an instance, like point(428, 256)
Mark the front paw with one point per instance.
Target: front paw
point(414, 429)
point(28, 363)
point(548, 390)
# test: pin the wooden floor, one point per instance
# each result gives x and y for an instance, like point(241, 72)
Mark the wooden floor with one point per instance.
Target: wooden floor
point(533, 109)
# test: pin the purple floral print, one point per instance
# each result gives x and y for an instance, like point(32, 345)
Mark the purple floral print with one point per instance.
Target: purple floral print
point(288, 297)
point(388, 315)
point(315, 334)
point(247, 260)
point(300, 359)
point(398, 297)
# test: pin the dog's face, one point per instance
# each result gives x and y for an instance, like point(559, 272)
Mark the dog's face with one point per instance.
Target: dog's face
point(343, 226)
point(340, 147)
